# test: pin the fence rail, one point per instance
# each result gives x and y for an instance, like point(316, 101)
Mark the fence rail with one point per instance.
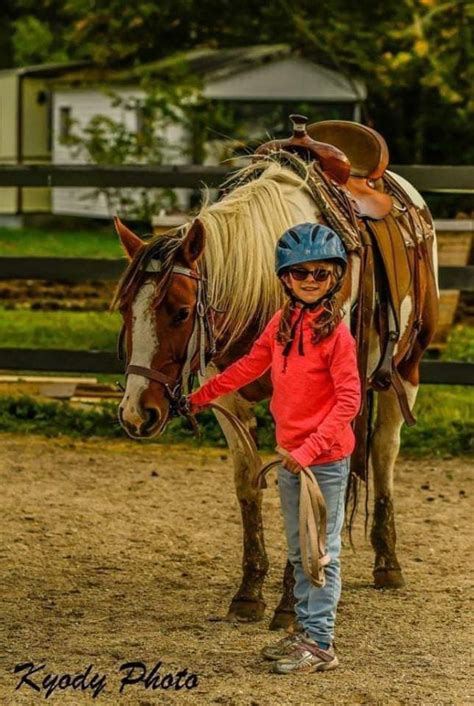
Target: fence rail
point(426, 178)
point(81, 269)
point(453, 179)
point(68, 361)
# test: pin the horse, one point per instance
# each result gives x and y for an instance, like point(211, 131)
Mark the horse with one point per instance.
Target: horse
point(229, 249)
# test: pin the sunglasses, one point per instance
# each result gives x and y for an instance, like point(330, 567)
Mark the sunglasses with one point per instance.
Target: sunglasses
point(300, 274)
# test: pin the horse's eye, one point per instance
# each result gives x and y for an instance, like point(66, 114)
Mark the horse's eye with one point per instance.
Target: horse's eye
point(180, 316)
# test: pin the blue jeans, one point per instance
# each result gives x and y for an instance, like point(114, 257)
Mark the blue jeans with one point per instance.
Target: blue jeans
point(315, 608)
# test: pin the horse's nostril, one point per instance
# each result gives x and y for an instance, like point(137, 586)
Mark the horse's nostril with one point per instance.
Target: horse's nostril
point(151, 419)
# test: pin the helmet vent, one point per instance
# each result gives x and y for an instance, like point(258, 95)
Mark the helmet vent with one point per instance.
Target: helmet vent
point(283, 244)
point(295, 236)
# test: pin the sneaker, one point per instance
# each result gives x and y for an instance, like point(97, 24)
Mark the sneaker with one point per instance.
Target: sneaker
point(306, 656)
point(283, 647)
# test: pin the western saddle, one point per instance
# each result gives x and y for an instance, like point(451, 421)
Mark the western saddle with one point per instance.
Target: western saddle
point(377, 219)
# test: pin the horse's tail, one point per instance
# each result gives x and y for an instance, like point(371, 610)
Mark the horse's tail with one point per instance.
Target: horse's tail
point(355, 481)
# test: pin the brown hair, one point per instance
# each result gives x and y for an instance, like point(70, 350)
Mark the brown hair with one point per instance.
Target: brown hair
point(325, 323)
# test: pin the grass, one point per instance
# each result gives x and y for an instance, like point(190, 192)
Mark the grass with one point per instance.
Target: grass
point(460, 344)
point(78, 330)
point(445, 422)
point(32, 242)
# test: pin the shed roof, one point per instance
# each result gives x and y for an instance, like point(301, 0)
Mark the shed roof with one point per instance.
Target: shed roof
point(270, 72)
point(46, 70)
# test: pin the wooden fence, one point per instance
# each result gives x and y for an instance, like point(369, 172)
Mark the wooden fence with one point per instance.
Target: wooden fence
point(425, 178)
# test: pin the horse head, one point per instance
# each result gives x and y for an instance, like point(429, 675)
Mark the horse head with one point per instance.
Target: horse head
point(162, 300)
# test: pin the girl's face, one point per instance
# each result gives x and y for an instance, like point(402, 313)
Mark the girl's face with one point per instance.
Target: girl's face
point(310, 290)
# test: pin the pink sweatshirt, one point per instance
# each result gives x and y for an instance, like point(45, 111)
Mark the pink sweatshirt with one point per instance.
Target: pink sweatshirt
point(314, 400)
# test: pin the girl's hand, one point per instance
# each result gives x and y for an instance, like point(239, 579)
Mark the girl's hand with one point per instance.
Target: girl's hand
point(194, 408)
point(291, 465)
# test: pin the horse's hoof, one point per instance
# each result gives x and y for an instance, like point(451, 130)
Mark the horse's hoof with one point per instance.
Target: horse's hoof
point(246, 610)
point(388, 578)
point(285, 620)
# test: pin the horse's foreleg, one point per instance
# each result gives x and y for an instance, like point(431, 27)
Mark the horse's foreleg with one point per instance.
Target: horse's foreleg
point(284, 616)
point(385, 448)
point(247, 604)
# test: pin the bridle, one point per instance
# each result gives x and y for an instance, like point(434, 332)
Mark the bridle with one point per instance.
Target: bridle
point(202, 342)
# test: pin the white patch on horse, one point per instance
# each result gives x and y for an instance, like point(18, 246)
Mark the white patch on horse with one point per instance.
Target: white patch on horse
point(434, 247)
point(414, 195)
point(348, 303)
point(144, 347)
point(302, 205)
point(405, 311)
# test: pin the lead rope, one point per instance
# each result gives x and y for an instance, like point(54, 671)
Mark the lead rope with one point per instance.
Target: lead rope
point(312, 512)
point(312, 521)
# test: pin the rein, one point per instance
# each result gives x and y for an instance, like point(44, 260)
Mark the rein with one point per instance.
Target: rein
point(312, 513)
point(312, 521)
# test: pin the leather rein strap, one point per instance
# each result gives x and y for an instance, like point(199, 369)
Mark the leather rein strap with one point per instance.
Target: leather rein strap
point(312, 512)
point(312, 521)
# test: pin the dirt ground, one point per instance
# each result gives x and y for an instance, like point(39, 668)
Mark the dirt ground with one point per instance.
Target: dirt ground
point(114, 552)
point(52, 296)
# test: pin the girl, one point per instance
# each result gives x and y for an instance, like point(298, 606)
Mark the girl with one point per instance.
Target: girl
point(316, 395)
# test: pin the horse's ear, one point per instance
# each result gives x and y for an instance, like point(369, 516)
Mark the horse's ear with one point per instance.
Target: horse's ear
point(193, 243)
point(131, 243)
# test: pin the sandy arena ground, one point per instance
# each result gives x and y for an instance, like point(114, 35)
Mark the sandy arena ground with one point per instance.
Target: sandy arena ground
point(114, 552)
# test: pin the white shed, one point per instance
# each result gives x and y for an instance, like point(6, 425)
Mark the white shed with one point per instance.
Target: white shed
point(263, 84)
point(25, 132)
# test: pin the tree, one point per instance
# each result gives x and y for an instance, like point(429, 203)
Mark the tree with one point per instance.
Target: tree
point(414, 55)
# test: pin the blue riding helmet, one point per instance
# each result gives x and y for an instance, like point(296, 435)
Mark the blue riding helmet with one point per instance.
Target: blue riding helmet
point(306, 242)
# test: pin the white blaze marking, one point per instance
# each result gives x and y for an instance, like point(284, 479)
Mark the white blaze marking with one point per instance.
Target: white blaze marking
point(144, 347)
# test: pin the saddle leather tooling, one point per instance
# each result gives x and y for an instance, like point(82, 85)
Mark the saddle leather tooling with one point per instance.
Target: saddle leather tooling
point(375, 218)
point(367, 153)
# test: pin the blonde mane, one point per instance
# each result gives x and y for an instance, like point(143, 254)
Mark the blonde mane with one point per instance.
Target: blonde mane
point(239, 254)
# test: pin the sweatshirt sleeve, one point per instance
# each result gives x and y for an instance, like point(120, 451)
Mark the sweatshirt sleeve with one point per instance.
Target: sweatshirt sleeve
point(345, 376)
point(247, 368)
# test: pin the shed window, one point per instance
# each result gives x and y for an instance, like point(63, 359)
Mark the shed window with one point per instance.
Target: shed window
point(64, 122)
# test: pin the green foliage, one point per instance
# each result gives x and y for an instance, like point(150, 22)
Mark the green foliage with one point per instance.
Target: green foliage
point(38, 31)
point(445, 423)
point(27, 415)
point(32, 41)
point(415, 56)
point(32, 416)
